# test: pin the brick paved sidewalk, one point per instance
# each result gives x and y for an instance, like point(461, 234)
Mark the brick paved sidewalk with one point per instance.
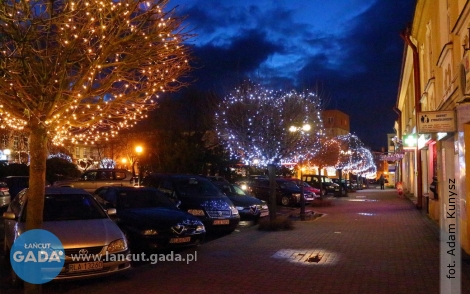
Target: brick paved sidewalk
point(369, 242)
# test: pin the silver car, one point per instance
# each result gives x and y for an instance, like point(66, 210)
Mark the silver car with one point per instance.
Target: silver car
point(96, 178)
point(81, 225)
point(4, 194)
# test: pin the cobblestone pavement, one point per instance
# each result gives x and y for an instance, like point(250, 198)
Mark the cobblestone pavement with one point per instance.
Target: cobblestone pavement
point(369, 242)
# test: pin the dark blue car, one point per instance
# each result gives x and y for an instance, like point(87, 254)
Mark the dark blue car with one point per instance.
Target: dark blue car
point(149, 219)
point(200, 197)
point(249, 207)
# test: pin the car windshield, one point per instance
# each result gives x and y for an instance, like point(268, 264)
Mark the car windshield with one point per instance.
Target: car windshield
point(142, 199)
point(230, 189)
point(287, 185)
point(326, 180)
point(238, 191)
point(195, 187)
point(71, 207)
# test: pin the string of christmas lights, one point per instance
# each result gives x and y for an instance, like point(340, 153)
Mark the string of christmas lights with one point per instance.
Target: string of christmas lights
point(89, 70)
point(254, 123)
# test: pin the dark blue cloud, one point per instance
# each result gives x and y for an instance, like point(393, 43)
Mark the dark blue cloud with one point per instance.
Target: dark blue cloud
point(357, 60)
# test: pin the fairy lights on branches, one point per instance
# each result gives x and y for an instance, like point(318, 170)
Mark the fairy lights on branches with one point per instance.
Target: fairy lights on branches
point(254, 123)
point(86, 69)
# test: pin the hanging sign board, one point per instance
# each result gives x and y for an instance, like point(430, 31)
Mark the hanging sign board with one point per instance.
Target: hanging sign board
point(436, 122)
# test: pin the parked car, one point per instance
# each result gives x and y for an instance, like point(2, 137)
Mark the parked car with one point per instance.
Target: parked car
point(16, 184)
point(82, 226)
point(245, 182)
point(327, 185)
point(346, 185)
point(307, 187)
point(287, 192)
point(5, 197)
point(198, 196)
point(149, 219)
point(249, 207)
point(217, 179)
point(95, 178)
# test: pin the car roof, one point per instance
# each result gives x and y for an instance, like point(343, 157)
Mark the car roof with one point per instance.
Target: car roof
point(63, 190)
point(127, 188)
point(184, 176)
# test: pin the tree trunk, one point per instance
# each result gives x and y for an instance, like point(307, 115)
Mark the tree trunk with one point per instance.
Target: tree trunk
point(37, 182)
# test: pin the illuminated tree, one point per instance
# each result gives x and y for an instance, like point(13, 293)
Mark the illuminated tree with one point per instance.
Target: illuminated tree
point(253, 122)
point(82, 71)
point(327, 155)
point(354, 157)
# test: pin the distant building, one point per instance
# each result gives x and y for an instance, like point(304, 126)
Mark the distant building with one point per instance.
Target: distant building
point(335, 122)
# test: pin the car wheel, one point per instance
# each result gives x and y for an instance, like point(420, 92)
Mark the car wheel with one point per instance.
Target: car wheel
point(285, 201)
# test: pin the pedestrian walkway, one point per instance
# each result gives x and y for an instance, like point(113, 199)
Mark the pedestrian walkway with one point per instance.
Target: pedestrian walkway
point(369, 242)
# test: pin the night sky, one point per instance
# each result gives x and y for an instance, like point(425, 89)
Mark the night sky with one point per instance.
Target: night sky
point(350, 49)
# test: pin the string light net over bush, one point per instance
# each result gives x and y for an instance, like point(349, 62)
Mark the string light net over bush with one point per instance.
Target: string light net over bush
point(254, 122)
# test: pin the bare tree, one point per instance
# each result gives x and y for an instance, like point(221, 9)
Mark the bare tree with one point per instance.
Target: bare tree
point(354, 157)
point(258, 124)
point(81, 72)
point(254, 123)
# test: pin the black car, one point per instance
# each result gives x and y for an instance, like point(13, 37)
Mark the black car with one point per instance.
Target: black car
point(198, 196)
point(327, 185)
point(149, 218)
point(249, 207)
point(287, 192)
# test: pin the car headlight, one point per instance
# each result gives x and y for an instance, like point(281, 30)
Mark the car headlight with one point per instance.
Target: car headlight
point(149, 232)
point(296, 195)
point(196, 212)
point(117, 245)
point(264, 207)
point(239, 207)
point(234, 210)
point(200, 229)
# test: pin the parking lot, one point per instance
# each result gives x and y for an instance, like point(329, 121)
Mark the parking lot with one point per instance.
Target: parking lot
point(369, 242)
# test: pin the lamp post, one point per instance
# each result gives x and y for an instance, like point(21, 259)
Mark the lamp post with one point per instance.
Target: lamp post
point(138, 151)
point(305, 128)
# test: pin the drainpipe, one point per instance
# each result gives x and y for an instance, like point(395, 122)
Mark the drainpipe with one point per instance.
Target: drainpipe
point(416, 74)
point(398, 112)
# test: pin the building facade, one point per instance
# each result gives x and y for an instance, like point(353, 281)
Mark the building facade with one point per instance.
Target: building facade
point(335, 122)
point(433, 107)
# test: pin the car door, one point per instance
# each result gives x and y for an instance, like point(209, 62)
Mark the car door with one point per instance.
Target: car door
point(10, 226)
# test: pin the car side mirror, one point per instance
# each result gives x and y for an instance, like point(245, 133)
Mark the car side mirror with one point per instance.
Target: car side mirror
point(111, 211)
point(9, 216)
point(178, 203)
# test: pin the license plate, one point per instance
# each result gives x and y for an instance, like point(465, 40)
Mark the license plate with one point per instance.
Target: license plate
point(309, 198)
point(221, 222)
point(85, 266)
point(180, 240)
point(264, 213)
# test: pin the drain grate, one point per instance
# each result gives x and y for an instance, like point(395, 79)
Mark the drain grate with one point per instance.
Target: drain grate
point(307, 256)
point(315, 258)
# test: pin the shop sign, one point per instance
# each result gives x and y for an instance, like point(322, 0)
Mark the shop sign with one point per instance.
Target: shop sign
point(436, 122)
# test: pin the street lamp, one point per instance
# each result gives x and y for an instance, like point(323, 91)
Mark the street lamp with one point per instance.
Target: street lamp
point(305, 128)
point(124, 163)
point(138, 151)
